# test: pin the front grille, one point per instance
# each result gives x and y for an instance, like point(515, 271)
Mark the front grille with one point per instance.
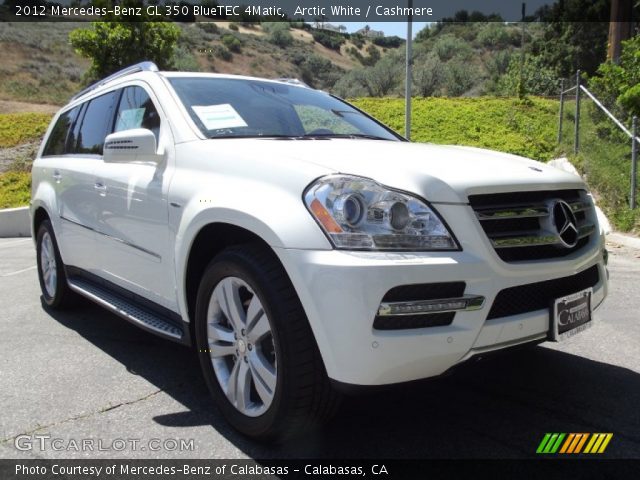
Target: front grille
point(422, 291)
point(522, 225)
point(540, 295)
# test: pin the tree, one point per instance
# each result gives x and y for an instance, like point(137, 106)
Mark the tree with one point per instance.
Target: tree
point(116, 43)
point(568, 45)
point(429, 75)
point(618, 85)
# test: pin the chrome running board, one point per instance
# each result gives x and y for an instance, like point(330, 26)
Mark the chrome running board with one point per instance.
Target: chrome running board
point(125, 308)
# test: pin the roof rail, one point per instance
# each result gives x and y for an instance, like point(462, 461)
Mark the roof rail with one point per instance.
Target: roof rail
point(292, 81)
point(138, 67)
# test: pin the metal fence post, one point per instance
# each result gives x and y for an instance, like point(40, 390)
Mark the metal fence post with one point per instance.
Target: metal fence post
point(634, 162)
point(576, 141)
point(561, 110)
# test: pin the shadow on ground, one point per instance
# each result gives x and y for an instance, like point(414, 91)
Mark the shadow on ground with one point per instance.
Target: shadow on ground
point(498, 407)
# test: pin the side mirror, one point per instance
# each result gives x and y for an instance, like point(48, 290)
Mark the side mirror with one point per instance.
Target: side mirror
point(137, 145)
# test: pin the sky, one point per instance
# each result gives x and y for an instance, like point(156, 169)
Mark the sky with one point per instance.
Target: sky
point(389, 28)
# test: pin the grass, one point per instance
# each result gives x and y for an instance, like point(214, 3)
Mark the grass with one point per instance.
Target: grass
point(15, 189)
point(526, 128)
point(19, 128)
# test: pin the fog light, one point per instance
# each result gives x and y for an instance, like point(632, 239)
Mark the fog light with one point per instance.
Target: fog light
point(464, 303)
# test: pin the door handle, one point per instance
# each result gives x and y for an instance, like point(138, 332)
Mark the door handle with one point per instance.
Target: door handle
point(56, 176)
point(101, 188)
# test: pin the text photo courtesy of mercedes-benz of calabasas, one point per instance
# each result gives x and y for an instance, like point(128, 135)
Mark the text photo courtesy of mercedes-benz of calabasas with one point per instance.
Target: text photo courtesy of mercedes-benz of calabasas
point(300, 246)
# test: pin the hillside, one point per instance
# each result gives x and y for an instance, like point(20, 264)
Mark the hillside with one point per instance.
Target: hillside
point(38, 65)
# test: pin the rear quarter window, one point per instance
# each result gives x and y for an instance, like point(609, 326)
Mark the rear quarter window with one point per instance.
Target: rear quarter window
point(57, 139)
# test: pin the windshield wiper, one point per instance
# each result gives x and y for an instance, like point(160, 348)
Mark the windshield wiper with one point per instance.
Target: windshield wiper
point(346, 135)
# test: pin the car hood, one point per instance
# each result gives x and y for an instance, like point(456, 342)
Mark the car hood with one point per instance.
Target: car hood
point(439, 173)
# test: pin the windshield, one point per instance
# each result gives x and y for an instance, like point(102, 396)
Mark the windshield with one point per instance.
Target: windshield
point(232, 108)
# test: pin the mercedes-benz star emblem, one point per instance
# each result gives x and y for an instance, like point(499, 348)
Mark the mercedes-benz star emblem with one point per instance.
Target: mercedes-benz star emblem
point(565, 223)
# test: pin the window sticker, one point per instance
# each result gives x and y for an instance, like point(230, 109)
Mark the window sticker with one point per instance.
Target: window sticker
point(129, 119)
point(214, 117)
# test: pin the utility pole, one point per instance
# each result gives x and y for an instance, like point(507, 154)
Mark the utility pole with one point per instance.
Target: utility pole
point(407, 86)
point(521, 89)
point(619, 27)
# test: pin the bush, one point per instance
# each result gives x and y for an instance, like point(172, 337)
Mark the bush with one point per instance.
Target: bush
point(506, 125)
point(233, 26)
point(389, 42)
point(278, 33)
point(537, 79)
point(15, 189)
point(328, 40)
point(494, 35)
point(222, 53)
point(232, 43)
point(374, 56)
point(318, 72)
point(208, 27)
point(429, 76)
point(460, 77)
point(619, 85)
point(185, 61)
point(357, 40)
point(447, 46)
point(17, 128)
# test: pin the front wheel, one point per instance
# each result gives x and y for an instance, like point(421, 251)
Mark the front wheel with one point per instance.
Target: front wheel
point(256, 348)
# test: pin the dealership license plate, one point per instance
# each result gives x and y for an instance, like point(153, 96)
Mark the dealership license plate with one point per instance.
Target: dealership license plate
point(571, 315)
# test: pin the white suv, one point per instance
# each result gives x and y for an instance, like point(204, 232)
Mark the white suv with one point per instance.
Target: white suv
point(301, 246)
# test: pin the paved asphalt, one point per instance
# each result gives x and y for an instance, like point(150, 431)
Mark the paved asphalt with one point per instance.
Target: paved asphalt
point(90, 375)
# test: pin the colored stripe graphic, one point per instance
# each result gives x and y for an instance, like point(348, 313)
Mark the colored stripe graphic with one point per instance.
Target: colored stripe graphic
point(544, 441)
point(581, 443)
point(573, 443)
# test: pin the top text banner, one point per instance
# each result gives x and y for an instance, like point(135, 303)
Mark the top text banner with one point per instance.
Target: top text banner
point(319, 12)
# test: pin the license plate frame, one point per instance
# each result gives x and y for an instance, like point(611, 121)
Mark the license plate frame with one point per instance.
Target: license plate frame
point(571, 314)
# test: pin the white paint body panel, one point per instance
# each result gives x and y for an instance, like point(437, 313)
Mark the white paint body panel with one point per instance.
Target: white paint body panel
point(257, 184)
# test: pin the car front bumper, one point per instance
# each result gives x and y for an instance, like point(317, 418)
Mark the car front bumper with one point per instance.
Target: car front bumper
point(341, 292)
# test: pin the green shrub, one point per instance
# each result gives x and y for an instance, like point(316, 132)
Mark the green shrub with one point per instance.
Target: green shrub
point(357, 40)
point(618, 84)
point(209, 27)
point(232, 43)
point(222, 53)
point(15, 189)
point(329, 40)
point(507, 125)
point(17, 128)
point(389, 42)
point(278, 33)
point(233, 26)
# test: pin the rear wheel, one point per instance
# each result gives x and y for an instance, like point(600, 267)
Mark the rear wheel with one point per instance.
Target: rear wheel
point(256, 349)
point(53, 281)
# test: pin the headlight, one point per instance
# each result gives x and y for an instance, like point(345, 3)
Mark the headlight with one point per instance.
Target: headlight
point(358, 213)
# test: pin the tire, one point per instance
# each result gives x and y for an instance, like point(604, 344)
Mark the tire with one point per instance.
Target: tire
point(53, 280)
point(288, 390)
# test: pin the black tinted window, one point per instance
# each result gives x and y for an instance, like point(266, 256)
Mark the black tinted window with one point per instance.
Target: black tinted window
point(57, 139)
point(95, 124)
point(136, 110)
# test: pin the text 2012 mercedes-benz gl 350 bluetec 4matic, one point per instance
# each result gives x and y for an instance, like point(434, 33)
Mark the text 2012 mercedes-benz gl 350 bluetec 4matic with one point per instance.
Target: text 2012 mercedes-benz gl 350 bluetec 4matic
point(299, 245)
